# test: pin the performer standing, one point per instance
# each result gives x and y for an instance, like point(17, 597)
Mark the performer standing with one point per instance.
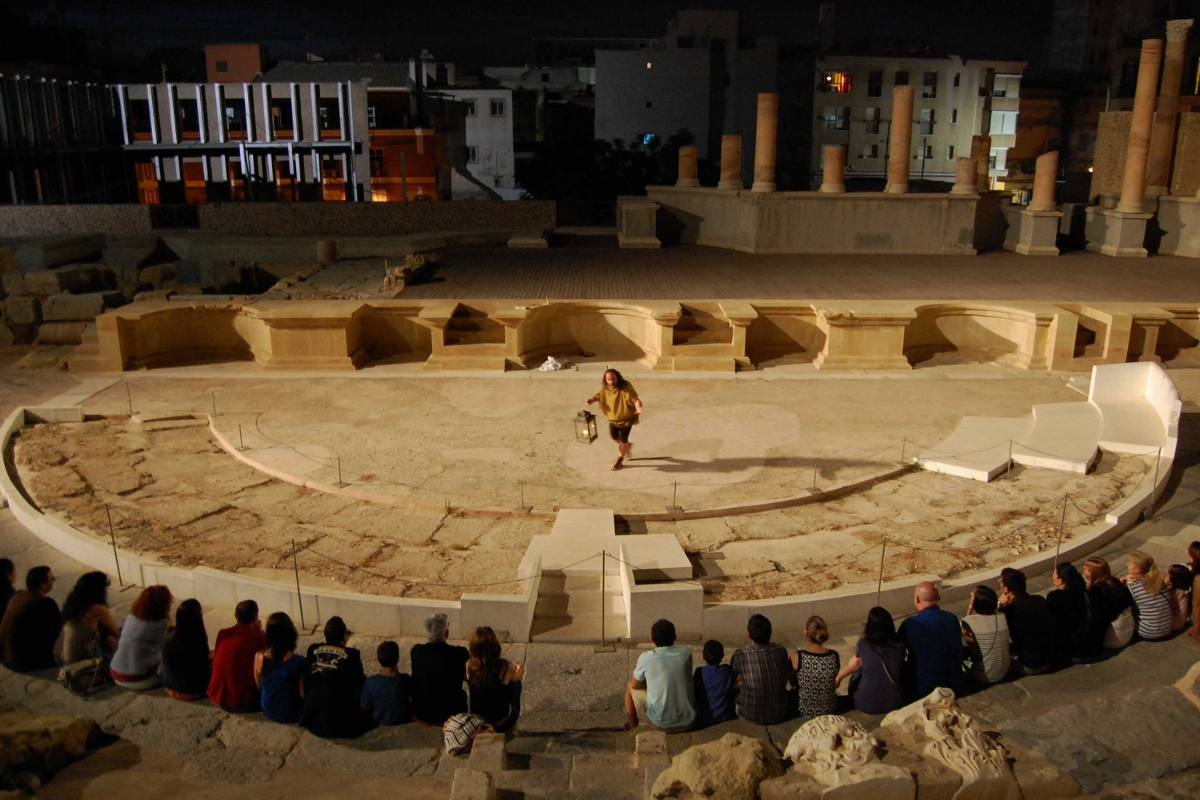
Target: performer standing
point(621, 405)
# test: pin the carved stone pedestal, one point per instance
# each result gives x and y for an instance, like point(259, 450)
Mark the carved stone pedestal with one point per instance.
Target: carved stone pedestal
point(1116, 233)
point(1179, 218)
point(637, 221)
point(1032, 233)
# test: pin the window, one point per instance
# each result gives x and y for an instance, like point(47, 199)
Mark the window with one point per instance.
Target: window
point(929, 87)
point(545, 77)
point(233, 118)
point(875, 83)
point(371, 117)
point(953, 116)
point(927, 120)
point(872, 119)
point(222, 66)
point(647, 138)
point(837, 118)
point(469, 107)
point(685, 42)
point(1007, 86)
point(1003, 122)
point(839, 82)
point(649, 104)
point(925, 152)
point(497, 108)
point(957, 76)
point(870, 151)
point(901, 78)
point(377, 168)
point(950, 152)
point(472, 155)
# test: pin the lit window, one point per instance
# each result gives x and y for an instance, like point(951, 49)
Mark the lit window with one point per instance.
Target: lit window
point(838, 82)
point(1003, 122)
point(927, 120)
point(647, 138)
point(871, 118)
point(370, 116)
point(377, 168)
point(497, 108)
point(649, 64)
point(837, 118)
point(870, 151)
point(469, 107)
point(472, 155)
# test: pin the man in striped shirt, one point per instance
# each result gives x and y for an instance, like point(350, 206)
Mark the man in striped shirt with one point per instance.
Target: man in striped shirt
point(762, 670)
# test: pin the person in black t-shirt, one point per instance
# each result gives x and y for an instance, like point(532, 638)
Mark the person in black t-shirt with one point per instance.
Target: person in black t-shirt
point(332, 685)
point(438, 671)
point(1030, 623)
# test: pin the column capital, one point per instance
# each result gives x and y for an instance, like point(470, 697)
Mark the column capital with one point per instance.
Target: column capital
point(1178, 29)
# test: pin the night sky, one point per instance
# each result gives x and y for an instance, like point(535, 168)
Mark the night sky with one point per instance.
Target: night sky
point(498, 33)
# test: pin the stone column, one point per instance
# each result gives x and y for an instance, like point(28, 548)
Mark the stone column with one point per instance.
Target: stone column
point(731, 161)
point(833, 174)
point(964, 177)
point(900, 147)
point(1044, 176)
point(981, 154)
point(688, 170)
point(1162, 137)
point(1133, 187)
point(764, 142)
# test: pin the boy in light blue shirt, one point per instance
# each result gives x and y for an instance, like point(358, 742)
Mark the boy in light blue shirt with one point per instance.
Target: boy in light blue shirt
point(660, 692)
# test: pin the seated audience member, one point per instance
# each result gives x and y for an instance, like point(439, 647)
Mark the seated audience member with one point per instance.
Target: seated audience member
point(985, 633)
point(1111, 606)
point(875, 668)
point(277, 671)
point(31, 624)
point(139, 650)
point(1151, 606)
point(186, 663)
point(1030, 623)
point(1070, 608)
point(332, 686)
point(816, 668)
point(713, 686)
point(232, 685)
point(1194, 564)
point(88, 628)
point(8, 583)
point(934, 641)
point(1179, 593)
point(385, 697)
point(494, 683)
point(437, 674)
point(762, 670)
point(660, 691)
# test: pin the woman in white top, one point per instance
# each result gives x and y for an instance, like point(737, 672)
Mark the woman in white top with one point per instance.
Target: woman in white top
point(986, 636)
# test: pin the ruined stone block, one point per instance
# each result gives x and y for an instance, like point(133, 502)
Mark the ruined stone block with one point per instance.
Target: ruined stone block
point(74, 278)
point(14, 284)
point(64, 307)
point(22, 310)
point(472, 785)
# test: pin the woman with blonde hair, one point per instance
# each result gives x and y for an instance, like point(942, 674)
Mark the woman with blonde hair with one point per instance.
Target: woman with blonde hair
point(621, 406)
point(494, 683)
point(1110, 602)
point(817, 669)
point(1152, 608)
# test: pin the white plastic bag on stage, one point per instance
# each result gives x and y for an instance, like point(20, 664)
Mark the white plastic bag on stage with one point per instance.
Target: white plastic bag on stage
point(552, 364)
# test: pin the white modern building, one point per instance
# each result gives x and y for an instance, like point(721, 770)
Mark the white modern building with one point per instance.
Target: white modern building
point(852, 106)
point(490, 168)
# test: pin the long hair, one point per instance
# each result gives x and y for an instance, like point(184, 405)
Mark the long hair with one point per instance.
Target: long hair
point(485, 659)
point(189, 640)
point(281, 636)
point(880, 628)
point(90, 590)
point(619, 379)
point(1097, 570)
point(1152, 577)
point(153, 604)
point(1072, 580)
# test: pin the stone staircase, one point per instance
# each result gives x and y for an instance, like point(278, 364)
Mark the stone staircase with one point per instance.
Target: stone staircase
point(86, 357)
point(569, 609)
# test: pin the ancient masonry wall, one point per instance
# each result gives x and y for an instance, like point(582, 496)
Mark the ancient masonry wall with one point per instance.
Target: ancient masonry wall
point(1186, 177)
point(1109, 162)
point(287, 219)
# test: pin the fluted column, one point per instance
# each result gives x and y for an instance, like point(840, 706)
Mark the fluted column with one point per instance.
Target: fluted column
point(833, 172)
point(764, 142)
point(1137, 151)
point(981, 154)
point(731, 161)
point(900, 146)
point(688, 169)
point(1166, 117)
point(964, 176)
point(1044, 176)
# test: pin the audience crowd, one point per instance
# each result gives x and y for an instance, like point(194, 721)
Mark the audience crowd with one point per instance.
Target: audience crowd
point(325, 690)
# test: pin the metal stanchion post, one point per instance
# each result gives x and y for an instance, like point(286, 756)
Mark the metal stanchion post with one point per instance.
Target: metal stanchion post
point(903, 447)
point(214, 397)
point(340, 481)
point(674, 508)
point(523, 507)
point(1154, 486)
point(1008, 467)
point(603, 598)
point(814, 478)
point(879, 584)
point(1062, 523)
point(113, 537)
point(241, 440)
point(129, 397)
point(299, 596)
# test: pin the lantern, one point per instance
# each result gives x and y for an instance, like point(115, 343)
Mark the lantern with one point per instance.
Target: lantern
point(585, 427)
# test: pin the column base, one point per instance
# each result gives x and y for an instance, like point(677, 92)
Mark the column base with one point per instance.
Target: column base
point(960, 189)
point(687, 183)
point(1116, 233)
point(1032, 233)
point(1179, 220)
point(896, 188)
point(831, 188)
point(763, 186)
point(730, 185)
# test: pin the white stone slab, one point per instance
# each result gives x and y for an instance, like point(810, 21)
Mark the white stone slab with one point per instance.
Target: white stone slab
point(977, 449)
point(1130, 426)
point(1063, 437)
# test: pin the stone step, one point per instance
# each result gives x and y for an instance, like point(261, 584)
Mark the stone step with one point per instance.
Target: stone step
point(577, 584)
point(585, 628)
point(78, 364)
point(576, 604)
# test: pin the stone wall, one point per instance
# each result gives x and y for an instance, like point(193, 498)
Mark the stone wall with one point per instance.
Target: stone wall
point(287, 219)
point(1112, 136)
point(1186, 177)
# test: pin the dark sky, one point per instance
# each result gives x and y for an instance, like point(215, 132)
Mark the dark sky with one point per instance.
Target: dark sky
point(476, 33)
